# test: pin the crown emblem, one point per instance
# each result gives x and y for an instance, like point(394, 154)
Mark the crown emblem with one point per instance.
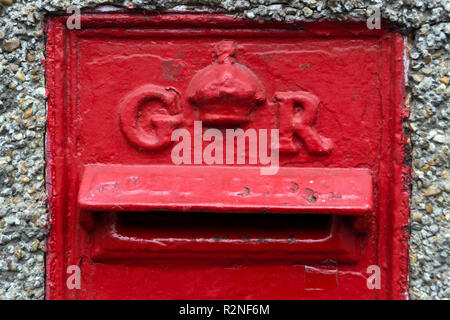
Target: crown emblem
point(226, 91)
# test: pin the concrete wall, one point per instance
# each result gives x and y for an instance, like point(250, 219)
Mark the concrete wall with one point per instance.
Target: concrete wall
point(23, 213)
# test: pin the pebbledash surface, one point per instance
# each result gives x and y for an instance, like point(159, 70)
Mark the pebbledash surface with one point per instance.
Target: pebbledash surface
point(24, 220)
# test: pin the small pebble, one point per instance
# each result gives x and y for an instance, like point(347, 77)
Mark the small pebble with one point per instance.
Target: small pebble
point(20, 76)
point(6, 2)
point(27, 113)
point(10, 45)
point(416, 216)
point(432, 191)
point(31, 57)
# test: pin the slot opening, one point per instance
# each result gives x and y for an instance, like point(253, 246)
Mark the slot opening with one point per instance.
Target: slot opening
point(222, 226)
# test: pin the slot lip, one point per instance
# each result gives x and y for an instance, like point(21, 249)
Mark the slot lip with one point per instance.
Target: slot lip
point(238, 189)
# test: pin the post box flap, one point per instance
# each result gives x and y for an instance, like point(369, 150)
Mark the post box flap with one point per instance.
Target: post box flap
point(225, 189)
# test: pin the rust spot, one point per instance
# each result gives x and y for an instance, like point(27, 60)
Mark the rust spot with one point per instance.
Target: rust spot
point(305, 66)
point(245, 193)
point(311, 195)
point(335, 195)
point(170, 70)
point(294, 187)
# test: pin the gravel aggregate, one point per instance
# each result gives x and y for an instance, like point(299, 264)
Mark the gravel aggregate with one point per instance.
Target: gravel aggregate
point(23, 212)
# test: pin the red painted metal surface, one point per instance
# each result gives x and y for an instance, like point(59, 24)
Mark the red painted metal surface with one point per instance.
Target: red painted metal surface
point(140, 227)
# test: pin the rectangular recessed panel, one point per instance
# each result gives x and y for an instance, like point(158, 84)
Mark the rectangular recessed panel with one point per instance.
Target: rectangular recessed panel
point(230, 189)
point(221, 238)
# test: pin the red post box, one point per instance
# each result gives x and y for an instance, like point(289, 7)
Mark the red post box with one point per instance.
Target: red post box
point(150, 199)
